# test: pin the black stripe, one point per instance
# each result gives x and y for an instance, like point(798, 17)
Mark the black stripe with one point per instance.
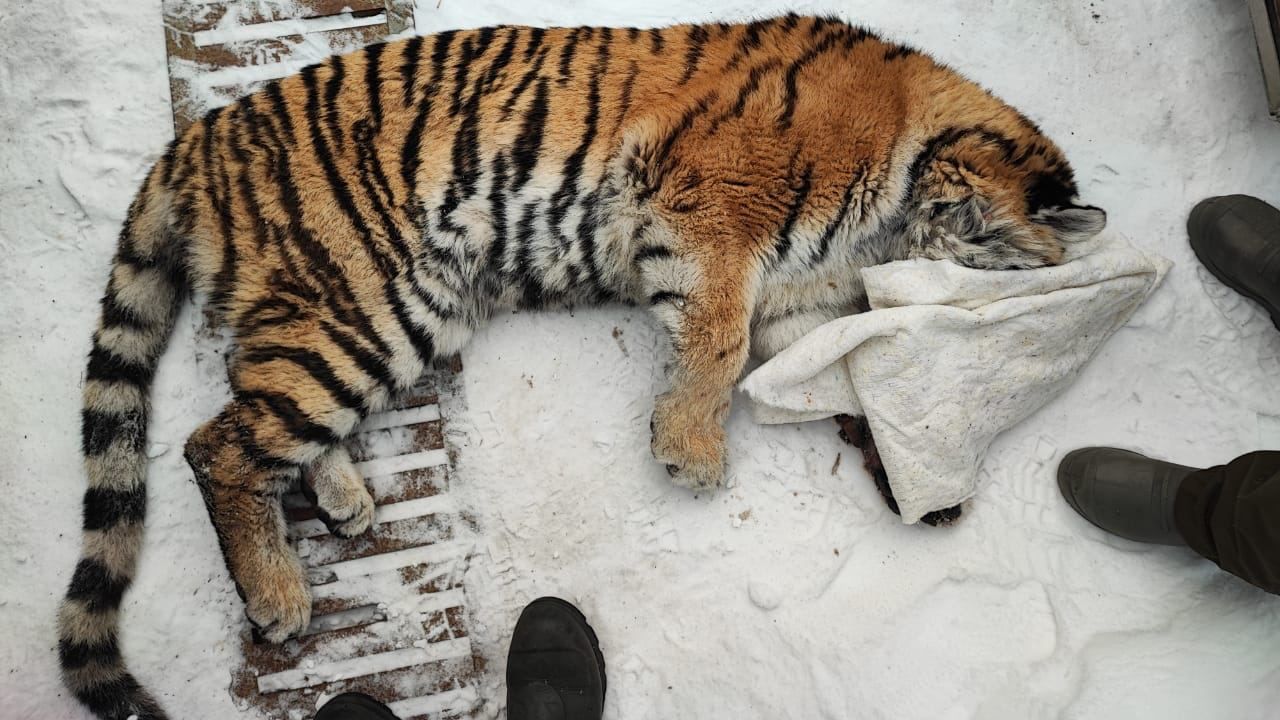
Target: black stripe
point(664, 296)
point(790, 21)
point(98, 430)
point(483, 39)
point(533, 293)
point(320, 261)
point(271, 310)
point(793, 214)
point(95, 586)
point(259, 457)
point(930, 150)
point(503, 59)
point(824, 243)
point(897, 52)
point(126, 255)
point(218, 191)
point(498, 211)
point(467, 54)
point(106, 366)
point(421, 341)
point(116, 315)
point(632, 34)
point(535, 41)
point(1008, 147)
point(750, 41)
point(652, 252)
point(662, 157)
point(181, 163)
point(296, 422)
point(120, 697)
point(528, 144)
point(372, 365)
point(73, 654)
point(373, 80)
point(465, 162)
point(281, 108)
point(438, 307)
point(314, 364)
point(166, 165)
point(791, 85)
point(624, 99)
point(332, 89)
point(374, 182)
point(524, 84)
point(564, 197)
point(337, 186)
point(567, 53)
point(656, 41)
point(698, 37)
point(748, 89)
point(105, 508)
point(409, 67)
point(411, 152)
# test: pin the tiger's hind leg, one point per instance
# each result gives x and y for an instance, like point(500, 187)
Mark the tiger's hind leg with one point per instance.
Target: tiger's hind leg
point(242, 482)
point(334, 486)
point(296, 396)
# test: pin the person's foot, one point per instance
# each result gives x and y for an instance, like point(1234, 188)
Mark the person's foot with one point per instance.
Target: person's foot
point(354, 706)
point(1124, 493)
point(554, 669)
point(1237, 237)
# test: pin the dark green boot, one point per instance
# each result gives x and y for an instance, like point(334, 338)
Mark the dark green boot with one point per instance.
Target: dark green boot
point(1124, 493)
point(1237, 238)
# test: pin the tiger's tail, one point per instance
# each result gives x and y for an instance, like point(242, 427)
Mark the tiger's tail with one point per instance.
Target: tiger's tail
point(146, 288)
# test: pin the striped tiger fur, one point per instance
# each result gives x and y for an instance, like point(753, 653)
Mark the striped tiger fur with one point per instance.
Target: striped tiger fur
point(354, 221)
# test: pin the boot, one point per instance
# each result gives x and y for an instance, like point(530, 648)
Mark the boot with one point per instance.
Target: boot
point(554, 669)
point(1124, 493)
point(354, 706)
point(1237, 238)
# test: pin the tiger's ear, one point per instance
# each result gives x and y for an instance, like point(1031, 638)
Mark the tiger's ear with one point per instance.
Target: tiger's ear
point(1073, 223)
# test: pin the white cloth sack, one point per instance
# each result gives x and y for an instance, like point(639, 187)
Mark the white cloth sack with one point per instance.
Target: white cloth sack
point(948, 357)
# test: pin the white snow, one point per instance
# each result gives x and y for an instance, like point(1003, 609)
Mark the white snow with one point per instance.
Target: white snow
point(793, 593)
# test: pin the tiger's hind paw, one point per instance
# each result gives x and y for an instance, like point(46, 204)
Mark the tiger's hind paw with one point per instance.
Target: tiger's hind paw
point(278, 599)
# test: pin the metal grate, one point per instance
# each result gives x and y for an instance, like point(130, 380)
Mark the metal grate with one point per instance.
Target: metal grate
point(389, 614)
point(219, 51)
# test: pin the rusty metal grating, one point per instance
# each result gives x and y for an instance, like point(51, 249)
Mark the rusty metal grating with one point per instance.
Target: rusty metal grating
point(389, 615)
point(389, 607)
point(219, 51)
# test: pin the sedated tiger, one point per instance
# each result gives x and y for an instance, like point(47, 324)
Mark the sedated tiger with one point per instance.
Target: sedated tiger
point(352, 222)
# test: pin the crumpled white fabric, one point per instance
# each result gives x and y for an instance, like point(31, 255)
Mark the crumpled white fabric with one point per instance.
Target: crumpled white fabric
point(949, 357)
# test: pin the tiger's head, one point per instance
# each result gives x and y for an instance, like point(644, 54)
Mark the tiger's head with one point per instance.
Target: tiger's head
point(988, 202)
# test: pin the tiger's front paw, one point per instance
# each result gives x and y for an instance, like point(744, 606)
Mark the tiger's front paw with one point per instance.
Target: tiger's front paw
point(342, 501)
point(277, 597)
point(690, 444)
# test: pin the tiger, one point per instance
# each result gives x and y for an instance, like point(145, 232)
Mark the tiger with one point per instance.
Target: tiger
point(352, 222)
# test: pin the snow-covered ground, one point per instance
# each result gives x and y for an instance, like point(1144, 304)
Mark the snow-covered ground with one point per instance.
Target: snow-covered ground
point(792, 594)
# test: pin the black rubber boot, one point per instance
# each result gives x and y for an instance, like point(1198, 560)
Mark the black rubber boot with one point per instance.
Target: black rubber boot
point(1124, 493)
point(554, 669)
point(355, 706)
point(1237, 238)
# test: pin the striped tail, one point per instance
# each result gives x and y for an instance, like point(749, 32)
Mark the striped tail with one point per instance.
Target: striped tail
point(143, 296)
